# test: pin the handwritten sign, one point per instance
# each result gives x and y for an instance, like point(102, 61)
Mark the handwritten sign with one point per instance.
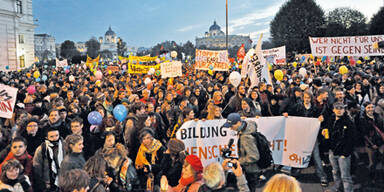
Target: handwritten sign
point(275, 55)
point(7, 100)
point(215, 60)
point(345, 46)
point(171, 69)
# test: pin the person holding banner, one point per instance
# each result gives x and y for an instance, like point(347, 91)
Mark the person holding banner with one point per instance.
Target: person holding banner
point(247, 149)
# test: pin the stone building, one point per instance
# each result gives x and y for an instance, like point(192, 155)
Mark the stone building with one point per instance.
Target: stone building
point(17, 31)
point(215, 39)
point(45, 47)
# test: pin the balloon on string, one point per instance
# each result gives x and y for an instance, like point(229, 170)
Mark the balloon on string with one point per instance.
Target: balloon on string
point(318, 63)
point(343, 70)
point(7, 67)
point(98, 75)
point(303, 71)
point(37, 79)
point(210, 67)
point(147, 81)
point(95, 118)
point(324, 58)
point(294, 64)
point(158, 73)
point(36, 74)
point(210, 72)
point(44, 77)
point(279, 75)
point(109, 72)
point(31, 89)
point(173, 54)
point(45, 66)
point(120, 112)
point(66, 71)
point(98, 83)
point(302, 58)
point(71, 78)
point(124, 67)
point(28, 75)
point(235, 78)
point(359, 62)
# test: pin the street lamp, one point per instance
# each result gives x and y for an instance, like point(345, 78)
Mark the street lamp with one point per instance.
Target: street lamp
point(226, 24)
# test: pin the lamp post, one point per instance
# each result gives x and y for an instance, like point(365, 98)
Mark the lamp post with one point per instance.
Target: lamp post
point(226, 24)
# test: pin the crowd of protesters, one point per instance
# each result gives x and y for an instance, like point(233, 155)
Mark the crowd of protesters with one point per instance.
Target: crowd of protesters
point(49, 134)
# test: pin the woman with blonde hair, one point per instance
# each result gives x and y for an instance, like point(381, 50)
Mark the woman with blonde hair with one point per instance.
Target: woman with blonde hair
point(282, 183)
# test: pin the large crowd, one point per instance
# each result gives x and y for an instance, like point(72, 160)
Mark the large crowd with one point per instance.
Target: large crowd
point(51, 134)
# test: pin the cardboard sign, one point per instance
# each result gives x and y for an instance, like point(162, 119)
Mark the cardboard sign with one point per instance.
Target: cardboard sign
point(275, 55)
point(215, 60)
point(171, 69)
point(7, 100)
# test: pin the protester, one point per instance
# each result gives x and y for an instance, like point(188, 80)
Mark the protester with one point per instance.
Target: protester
point(282, 183)
point(74, 158)
point(173, 160)
point(96, 167)
point(75, 180)
point(247, 149)
point(12, 178)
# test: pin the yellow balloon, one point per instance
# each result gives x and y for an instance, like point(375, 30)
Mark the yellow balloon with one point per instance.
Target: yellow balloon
point(98, 83)
point(110, 72)
point(279, 75)
point(36, 74)
point(358, 62)
point(210, 72)
point(343, 70)
point(294, 64)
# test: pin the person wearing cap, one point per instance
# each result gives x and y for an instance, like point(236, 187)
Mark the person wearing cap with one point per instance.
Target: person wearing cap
point(191, 176)
point(342, 136)
point(172, 163)
point(247, 149)
point(33, 134)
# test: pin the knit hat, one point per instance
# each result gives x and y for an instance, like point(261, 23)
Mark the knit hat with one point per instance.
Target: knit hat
point(195, 162)
point(175, 146)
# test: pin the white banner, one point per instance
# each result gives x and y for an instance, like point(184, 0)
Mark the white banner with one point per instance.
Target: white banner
point(171, 69)
point(206, 138)
point(7, 100)
point(275, 55)
point(62, 63)
point(345, 46)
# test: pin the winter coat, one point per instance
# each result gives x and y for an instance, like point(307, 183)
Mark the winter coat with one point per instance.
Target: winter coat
point(366, 130)
point(241, 186)
point(25, 160)
point(380, 108)
point(72, 161)
point(33, 141)
point(171, 170)
point(342, 135)
point(21, 184)
point(194, 187)
point(247, 149)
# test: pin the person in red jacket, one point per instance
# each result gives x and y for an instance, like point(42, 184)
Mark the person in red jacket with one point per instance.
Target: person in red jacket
point(19, 152)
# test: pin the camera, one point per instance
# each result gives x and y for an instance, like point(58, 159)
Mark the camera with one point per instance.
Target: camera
point(226, 154)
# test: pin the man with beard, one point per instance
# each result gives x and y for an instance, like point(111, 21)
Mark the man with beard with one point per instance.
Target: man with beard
point(56, 122)
point(19, 152)
point(234, 104)
point(47, 161)
point(339, 95)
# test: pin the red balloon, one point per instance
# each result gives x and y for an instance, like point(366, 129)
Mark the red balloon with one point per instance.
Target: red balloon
point(317, 63)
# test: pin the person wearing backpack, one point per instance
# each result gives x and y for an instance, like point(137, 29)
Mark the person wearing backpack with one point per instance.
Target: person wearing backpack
point(247, 149)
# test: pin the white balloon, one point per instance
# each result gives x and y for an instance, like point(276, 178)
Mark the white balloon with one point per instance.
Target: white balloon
point(71, 78)
point(173, 54)
point(303, 71)
point(147, 81)
point(157, 60)
point(235, 78)
point(151, 71)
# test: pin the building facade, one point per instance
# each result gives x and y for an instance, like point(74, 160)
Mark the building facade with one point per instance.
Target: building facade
point(17, 31)
point(215, 38)
point(80, 46)
point(109, 42)
point(45, 47)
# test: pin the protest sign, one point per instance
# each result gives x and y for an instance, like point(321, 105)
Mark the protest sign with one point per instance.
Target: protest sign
point(216, 60)
point(206, 138)
point(113, 68)
point(7, 100)
point(171, 69)
point(275, 55)
point(140, 68)
point(346, 46)
point(62, 63)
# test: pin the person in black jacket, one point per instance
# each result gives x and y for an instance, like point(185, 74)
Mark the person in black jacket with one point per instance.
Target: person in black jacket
point(172, 162)
point(341, 133)
point(33, 134)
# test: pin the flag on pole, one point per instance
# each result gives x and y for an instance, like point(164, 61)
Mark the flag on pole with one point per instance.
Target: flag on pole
point(257, 68)
point(241, 53)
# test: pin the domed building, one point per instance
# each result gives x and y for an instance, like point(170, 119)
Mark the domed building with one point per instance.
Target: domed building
point(109, 42)
point(215, 38)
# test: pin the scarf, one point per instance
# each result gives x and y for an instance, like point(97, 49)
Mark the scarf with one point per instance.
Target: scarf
point(60, 155)
point(141, 160)
point(188, 181)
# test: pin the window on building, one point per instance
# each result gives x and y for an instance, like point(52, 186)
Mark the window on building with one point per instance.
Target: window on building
point(21, 39)
point(19, 6)
point(22, 61)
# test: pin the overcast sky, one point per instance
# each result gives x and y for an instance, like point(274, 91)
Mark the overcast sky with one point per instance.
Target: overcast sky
point(148, 22)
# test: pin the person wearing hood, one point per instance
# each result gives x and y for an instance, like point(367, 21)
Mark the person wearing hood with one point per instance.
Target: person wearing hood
point(19, 152)
point(248, 108)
